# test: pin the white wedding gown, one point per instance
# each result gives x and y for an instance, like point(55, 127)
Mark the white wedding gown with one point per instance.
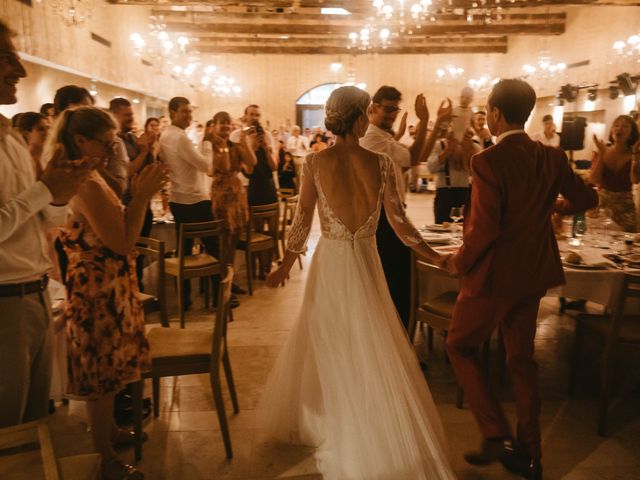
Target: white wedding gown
point(347, 380)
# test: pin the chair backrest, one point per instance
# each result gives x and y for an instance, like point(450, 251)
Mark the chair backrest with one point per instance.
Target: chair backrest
point(290, 206)
point(214, 228)
point(261, 215)
point(32, 432)
point(223, 311)
point(630, 289)
point(284, 193)
point(155, 249)
point(420, 266)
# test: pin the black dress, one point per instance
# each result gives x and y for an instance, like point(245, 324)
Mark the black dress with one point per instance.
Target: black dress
point(286, 175)
point(262, 189)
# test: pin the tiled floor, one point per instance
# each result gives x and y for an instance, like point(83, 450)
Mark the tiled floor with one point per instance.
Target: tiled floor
point(185, 443)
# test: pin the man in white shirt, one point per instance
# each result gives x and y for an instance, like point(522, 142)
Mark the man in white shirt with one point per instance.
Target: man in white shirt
point(395, 256)
point(298, 147)
point(27, 208)
point(548, 136)
point(190, 200)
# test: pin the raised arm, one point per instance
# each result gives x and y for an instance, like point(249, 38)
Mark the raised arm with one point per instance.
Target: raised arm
point(577, 196)
point(300, 228)
point(402, 226)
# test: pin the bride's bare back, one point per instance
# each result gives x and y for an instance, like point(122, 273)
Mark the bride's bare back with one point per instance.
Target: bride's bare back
point(351, 179)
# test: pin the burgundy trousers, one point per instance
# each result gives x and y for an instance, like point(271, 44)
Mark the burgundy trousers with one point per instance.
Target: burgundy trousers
point(474, 320)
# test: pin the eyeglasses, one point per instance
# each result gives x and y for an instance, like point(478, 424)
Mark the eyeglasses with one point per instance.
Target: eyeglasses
point(389, 108)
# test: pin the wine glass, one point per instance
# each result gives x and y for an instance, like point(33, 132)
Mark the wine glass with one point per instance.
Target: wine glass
point(457, 214)
point(605, 222)
point(579, 229)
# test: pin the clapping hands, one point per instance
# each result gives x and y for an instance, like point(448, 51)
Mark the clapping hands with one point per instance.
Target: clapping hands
point(63, 177)
point(422, 112)
point(445, 111)
point(149, 181)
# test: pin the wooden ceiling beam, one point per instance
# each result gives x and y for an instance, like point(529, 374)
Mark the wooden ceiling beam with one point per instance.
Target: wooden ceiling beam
point(189, 17)
point(355, 4)
point(345, 51)
point(293, 29)
point(337, 43)
point(311, 38)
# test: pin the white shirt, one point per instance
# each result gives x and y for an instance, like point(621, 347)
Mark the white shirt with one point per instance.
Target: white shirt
point(118, 164)
point(457, 178)
point(298, 146)
point(508, 133)
point(380, 141)
point(554, 141)
point(188, 168)
point(25, 212)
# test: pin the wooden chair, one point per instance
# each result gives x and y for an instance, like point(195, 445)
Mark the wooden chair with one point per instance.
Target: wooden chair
point(185, 267)
point(436, 313)
point(261, 236)
point(615, 329)
point(290, 206)
point(77, 467)
point(284, 193)
point(192, 351)
point(154, 249)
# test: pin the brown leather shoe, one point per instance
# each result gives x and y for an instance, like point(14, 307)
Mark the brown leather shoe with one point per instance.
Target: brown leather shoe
point(491, 451)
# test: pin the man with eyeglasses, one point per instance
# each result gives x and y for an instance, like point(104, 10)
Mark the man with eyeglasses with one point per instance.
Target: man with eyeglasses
point(394, 255)
point(27, 208)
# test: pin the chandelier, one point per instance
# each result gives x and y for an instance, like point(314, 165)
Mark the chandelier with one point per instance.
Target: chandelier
point(628, 51)
point(171, 57)
point(544, 70)
point(369, 37)
point(448, 73)
point(72, 12)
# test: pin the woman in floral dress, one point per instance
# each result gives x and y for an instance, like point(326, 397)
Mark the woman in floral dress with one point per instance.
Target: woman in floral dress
point(106, 341)
point(228, 196)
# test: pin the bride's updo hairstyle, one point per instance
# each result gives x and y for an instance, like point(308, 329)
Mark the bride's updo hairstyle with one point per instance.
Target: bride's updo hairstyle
point(344, 107)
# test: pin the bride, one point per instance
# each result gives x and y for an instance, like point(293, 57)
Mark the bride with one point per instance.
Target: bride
point(347, 380)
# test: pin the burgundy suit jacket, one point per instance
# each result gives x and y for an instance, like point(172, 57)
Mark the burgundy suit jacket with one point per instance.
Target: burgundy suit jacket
point(509, 246)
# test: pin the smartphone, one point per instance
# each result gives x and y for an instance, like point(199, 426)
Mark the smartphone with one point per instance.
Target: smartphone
point(248, 129)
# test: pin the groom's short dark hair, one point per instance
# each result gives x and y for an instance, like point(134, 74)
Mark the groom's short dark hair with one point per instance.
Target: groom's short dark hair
point(514, 98)
point(387, 93)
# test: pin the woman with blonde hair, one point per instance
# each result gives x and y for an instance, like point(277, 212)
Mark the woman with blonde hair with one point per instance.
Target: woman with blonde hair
point(347, 380)
point(106, 344)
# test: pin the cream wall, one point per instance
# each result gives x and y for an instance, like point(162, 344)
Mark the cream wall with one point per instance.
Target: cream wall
point(276, 81)
point(42, 34)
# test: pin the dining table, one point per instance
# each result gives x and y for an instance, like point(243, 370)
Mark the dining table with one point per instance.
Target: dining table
point(597, 275)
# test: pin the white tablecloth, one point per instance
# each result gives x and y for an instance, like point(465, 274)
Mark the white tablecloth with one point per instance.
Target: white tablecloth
point(598, 286)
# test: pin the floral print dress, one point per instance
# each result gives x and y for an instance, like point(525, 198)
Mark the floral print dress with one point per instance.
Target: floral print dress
point(106, 343)
point(228, 196)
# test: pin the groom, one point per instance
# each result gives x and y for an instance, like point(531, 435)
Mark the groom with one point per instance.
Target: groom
point(507, 262)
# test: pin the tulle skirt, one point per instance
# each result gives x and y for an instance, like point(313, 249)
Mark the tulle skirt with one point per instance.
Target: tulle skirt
point(347, 380)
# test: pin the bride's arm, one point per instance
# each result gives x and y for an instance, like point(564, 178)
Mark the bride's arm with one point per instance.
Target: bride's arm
point(299, 233)
point(402, 226)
